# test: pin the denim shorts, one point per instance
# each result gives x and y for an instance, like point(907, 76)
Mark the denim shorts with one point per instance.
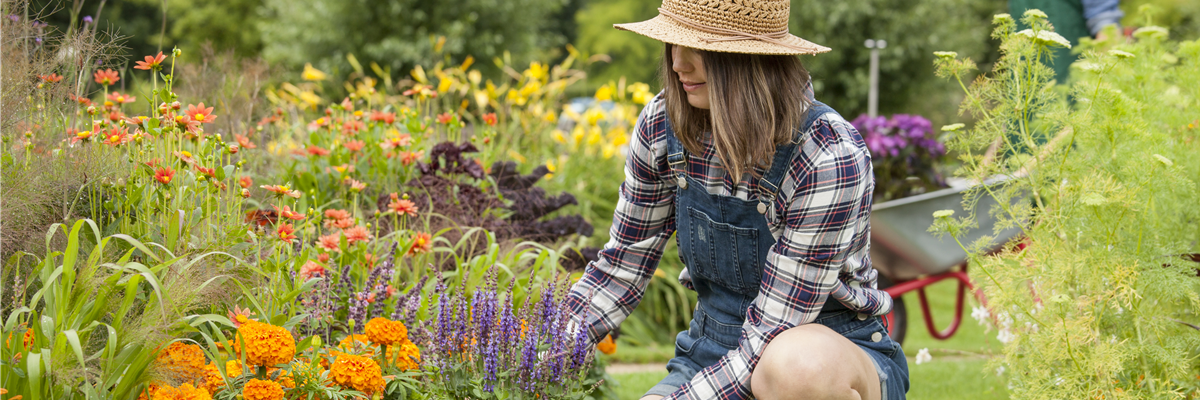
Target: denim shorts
point(708, 340)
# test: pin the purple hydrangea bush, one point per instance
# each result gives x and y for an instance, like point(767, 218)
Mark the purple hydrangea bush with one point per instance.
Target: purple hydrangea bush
point(905, 152)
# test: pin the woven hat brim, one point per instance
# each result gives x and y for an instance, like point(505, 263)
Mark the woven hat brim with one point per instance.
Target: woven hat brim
point(665, 29)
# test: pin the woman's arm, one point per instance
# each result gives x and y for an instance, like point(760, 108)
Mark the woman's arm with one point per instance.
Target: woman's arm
point(642, 223)
point(826, 225)
point(1101, 13)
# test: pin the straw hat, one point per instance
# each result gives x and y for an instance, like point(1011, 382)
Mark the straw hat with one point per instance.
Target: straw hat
point(730, 26)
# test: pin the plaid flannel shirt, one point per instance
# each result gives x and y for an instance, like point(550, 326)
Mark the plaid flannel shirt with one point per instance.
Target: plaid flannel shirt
point(821, 228)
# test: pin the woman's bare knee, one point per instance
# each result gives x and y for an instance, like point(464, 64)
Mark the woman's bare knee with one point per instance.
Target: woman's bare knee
point(652, 397)
point(813, 362)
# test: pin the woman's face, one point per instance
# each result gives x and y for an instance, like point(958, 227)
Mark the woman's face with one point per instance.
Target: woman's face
point(690, 68)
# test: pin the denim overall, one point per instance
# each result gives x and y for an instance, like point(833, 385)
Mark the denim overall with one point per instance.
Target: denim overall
point(723, 240)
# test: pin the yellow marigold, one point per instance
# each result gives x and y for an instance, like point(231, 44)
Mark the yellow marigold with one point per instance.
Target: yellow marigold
point(358, 373)
point(381, 331)
point(181, 361)
point(213, 381)
point(183, 392)
point(150, 392)
point(262, 390)
point(267, 345)
point(284, 378)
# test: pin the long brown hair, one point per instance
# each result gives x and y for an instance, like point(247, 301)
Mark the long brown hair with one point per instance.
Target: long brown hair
point(756, 101)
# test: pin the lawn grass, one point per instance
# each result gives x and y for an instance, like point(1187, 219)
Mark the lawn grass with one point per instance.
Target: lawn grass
point(958, 369)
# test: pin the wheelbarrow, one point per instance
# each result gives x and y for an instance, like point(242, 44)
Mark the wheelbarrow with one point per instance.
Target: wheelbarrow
point(910, 258)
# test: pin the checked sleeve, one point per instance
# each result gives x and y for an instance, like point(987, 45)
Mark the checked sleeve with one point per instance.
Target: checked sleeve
point(825, 234)
point(643, 222)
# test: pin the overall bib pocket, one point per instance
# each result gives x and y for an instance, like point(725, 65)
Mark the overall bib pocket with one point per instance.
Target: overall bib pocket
point(722, 253)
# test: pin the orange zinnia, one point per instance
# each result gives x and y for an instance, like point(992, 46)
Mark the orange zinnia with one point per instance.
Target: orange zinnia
point(330, 242)
point(151, 63)
point(245, 182)
point(287, 212)
point(206, 172)
point(117, 136)
point(199, 113)
point(403, 206)
point(311, 269)
point(401, 140)
point(409, 157)
point(422, 243)
point(106, 77)
point(282, 190)
point(164, 175)
point(118, 98)
point(445, 118)
point(354, 145)
point(286, 232)
point(357, 234)
point(380, 116)
point(317, 151)
point(52, 78)
point(489, 119)
point(244, 141)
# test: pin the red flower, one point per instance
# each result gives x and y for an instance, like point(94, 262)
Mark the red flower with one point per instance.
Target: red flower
point(117, 136)
point(422, 243)
point(83, 101)
point(286, 232)
point(106, 77)
point(164, 175)
point(445, 118)
point(151, 63)
point(52, 78)
point(206, 172)
point(380, 116)
point(199, 113)
point(490, 119)
point(233, 149)
point(244, 142)
point(352, 127)
point(317, 151)
point(245, 182)
point(287, 212)
point(354, 145)
point(282, 190)
point(117, 97)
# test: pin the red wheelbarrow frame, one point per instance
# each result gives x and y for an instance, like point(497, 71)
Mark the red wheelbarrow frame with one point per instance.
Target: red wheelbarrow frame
point(919, 285)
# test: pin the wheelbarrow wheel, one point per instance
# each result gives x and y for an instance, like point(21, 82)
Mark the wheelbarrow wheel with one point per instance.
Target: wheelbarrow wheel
point(896, 321)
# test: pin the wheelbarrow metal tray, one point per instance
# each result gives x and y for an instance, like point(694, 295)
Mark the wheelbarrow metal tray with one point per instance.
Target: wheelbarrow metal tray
point(902, 248)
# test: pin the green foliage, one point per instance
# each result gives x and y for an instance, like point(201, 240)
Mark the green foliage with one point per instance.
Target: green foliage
point(1099, 302)
point(912, 30)
point(93, 319)
point(401, 33)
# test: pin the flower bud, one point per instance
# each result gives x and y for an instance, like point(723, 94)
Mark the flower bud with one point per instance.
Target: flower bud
point(177, 52)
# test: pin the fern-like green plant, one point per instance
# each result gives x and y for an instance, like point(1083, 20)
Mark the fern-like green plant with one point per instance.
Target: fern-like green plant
point(1096, 301)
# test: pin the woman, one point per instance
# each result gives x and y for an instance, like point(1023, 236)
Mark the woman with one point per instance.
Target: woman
point(769, 195)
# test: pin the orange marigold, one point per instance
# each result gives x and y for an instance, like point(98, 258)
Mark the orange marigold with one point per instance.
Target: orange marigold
point(257, 389)
point(357, 372)
point(233, 368)
point(181, 361)
point(382, 331)
point(183, 392)
point(267, 345)
point(213, 381)
point(409, 357)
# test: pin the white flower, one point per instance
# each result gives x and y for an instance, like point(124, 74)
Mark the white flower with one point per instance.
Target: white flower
point(945, 54)
point(1005, 335)
point(1047, 38)
point(1033, 12)
point(943, 213)
point(1154, 32)
point(1121, 54)
point(1164, 160)
point(923, 356)
point(1000, 370)
point(1001, 18)
point(980, 313)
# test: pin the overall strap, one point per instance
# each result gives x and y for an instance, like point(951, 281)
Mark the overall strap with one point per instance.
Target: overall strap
point(676, 156)
point(768, 185)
